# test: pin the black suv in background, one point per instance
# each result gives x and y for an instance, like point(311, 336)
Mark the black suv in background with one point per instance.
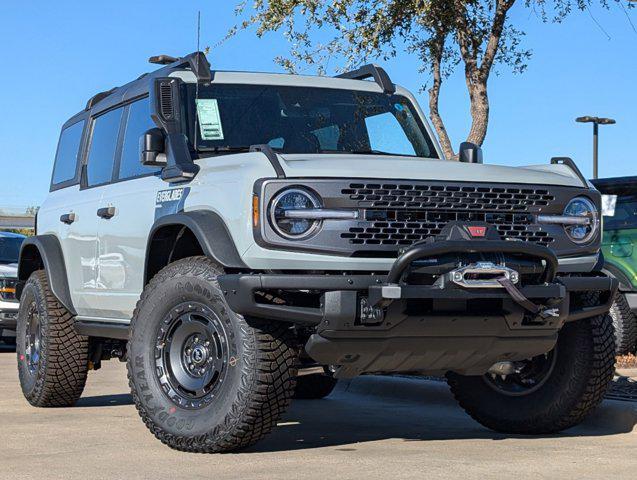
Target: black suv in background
point(10, 244)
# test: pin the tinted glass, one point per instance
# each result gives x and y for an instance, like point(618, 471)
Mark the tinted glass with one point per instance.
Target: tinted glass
point(67, 154)
point(624, 216)
point(138, 122)
point(10, 249)
point(101, 155)
point(305, 120)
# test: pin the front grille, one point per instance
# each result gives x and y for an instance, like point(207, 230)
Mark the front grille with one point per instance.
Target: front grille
point(402, 214)
point(447, 196)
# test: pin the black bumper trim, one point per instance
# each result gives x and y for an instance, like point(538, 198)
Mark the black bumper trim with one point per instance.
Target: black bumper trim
point(239, 290)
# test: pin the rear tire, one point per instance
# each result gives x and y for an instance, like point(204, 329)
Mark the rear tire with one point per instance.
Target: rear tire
point(52, 357)
point(625, 323)
point(314, 387)
point(583, 368)
point(203, 378)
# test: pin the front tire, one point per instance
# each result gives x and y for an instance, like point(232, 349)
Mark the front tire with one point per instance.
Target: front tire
point(625, 323)
point(203, 378)
point(52, 357)
point(572, 386)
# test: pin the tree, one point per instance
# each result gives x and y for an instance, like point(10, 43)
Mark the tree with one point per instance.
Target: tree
point(443, 33)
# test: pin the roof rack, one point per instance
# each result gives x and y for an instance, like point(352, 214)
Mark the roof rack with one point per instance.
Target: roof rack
point(97, 97)
point(196, 61)
point(368, 71)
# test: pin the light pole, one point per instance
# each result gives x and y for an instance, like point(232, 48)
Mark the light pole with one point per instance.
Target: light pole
point(596, 121)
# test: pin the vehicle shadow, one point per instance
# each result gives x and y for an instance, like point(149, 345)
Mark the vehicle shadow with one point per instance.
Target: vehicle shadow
point(372, 408)
point(379, 408)
point(6, 348)
point(105, 400)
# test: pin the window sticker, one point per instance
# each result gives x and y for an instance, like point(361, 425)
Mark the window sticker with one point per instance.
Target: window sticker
point(209, 119)
point(609, 202)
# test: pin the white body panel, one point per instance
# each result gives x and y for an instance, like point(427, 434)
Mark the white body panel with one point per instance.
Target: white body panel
point(122, 245)
point(78, 240)
point(408, 168)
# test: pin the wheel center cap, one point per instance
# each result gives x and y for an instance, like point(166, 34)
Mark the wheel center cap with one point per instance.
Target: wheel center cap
point(199, 354)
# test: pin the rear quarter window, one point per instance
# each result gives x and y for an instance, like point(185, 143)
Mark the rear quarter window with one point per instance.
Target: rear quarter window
point(67, 156)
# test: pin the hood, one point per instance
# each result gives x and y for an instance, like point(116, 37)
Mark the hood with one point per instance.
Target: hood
point(408, 168)
point(8, 270)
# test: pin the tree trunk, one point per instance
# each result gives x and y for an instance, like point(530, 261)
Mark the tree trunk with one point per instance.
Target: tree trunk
point(434, 100)
point(479, 99)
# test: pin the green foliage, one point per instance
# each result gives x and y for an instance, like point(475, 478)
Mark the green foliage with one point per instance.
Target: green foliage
point(342, 34)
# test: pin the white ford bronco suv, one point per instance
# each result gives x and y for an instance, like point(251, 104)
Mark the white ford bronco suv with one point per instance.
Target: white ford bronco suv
point(242, 238)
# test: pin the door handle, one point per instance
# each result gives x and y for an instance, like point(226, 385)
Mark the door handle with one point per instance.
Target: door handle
point(106, 212)
point(67, 218)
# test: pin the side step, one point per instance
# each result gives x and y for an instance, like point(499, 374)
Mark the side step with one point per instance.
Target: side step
point(96, 328)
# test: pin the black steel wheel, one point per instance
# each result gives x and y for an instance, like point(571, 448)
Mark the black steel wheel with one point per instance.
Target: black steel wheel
point(191, 354)
point(530, 376)
point(203, 378)
point(33, 338)
point(548, 393)
point(52, 357)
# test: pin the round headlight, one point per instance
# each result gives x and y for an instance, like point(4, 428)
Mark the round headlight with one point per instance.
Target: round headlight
point(294, 227)
point(582, 232)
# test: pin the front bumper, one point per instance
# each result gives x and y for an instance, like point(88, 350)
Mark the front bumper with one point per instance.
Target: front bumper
point(8, 314)
point(461, 329)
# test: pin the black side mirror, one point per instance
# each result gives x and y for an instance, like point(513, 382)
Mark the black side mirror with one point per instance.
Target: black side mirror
point(152, 147)
point(470, 153)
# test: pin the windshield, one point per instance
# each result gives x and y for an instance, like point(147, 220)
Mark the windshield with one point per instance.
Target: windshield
point(10, 249)
point(304, 120)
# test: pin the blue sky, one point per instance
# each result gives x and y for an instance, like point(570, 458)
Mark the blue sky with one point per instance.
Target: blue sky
point(56, 55)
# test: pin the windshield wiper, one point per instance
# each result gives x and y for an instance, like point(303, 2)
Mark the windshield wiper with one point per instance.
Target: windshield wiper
point(230, 149)
point(225, 149)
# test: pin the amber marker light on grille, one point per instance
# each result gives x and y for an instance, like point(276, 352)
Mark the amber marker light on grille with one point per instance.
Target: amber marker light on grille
point(7, 290)
point(255, 210)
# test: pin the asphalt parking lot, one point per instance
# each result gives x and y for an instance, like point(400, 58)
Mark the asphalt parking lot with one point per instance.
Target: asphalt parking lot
point(371, 427)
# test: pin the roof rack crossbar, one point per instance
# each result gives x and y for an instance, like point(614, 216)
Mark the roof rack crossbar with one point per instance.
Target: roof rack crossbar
point(196, 61)
point(379, 75)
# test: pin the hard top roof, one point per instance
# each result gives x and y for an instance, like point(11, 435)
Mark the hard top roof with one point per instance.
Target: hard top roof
point(616, 184)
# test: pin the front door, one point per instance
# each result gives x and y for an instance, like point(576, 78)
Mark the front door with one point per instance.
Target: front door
point(122, 235)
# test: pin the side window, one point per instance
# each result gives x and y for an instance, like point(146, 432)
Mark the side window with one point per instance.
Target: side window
point(138, 122)
point(101, 156)
point(68, 153)
point(386, 135)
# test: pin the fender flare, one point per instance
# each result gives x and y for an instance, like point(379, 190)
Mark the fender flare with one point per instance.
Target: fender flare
point(613, 270)
point(211, 233)
point(52, 259)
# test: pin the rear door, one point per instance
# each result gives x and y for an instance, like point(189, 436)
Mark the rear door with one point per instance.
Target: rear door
point(131, 199)
point(69, 214)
